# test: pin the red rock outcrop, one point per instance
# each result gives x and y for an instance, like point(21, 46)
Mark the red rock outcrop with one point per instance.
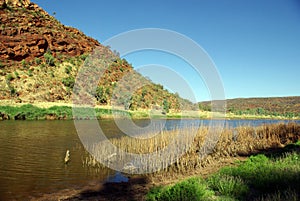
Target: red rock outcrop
point(27, 32)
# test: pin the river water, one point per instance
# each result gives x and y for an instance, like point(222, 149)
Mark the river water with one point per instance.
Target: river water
point(32, 155)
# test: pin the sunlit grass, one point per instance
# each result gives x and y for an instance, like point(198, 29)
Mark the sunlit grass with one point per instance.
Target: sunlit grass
point(191, 189)
point(259, 178)
point(31, 112)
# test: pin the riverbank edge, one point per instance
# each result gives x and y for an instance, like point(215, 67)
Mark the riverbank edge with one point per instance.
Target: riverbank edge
point(64, 111)
point(144, 188)
point(220, 182)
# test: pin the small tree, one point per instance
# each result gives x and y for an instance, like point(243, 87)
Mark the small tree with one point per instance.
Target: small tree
point(49, 59)
point(24, 63)
point(166, 106)
point(100, 95)
point(69, 82)
point(37, 61)
point(260, 111)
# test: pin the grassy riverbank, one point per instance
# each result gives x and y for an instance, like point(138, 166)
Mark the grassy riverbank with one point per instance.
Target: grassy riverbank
point(270, 173)
point(30, 112)
point(59, 111)
point(45, 111)
point(220, 175)
point(260, 178)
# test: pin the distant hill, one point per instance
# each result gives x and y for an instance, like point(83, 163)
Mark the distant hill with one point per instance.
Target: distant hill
point(40, 59)
point(286, 106)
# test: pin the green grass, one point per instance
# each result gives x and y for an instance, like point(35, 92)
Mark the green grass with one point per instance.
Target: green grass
point(267, 175)
point(228, 186)
point(260, 178)
point(191, 189)
point(30, 112)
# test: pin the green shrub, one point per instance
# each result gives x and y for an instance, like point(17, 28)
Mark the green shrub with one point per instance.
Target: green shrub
point(268, 175)
point(12, 90)
point(42, 65)
point(191, 189)
point(9, 77)
point(30, 73)
point(83, 56)
point(101, 95)
point(30, 112)
point(68, 69)
point(24, 63)
point(154, 193)
point(166, 106)
point(228, 185)
point(49, 59)
point(16, 74)
point(37, 61)
point(69, 82)
point(60, 111)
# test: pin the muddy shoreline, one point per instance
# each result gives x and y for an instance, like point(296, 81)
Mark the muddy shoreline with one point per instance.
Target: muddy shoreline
point(137, 186)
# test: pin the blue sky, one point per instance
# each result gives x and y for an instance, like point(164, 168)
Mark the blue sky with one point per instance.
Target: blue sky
point(255, 44)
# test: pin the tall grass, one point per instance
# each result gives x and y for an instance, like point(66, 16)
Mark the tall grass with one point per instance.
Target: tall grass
point(274, 176)
point(241, 141)
point(227, 185)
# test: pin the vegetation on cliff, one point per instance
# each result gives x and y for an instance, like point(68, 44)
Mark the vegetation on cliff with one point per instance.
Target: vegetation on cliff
point(40, 59)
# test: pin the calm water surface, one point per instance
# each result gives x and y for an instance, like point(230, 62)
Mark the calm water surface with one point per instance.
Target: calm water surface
point(32, 154)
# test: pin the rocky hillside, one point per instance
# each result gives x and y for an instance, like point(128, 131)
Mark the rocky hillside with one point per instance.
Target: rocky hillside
point(28, 32)
point(40, 59)
point(283, 106)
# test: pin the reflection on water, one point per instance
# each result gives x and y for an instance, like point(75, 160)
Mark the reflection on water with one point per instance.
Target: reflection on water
point(32, 155)
point(32, 159)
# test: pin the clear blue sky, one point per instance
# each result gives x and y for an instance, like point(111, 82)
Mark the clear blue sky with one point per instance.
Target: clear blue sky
point(255, 44)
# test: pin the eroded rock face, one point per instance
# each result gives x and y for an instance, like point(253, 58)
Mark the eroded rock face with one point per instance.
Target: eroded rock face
point(15, 3)
point(27, 32)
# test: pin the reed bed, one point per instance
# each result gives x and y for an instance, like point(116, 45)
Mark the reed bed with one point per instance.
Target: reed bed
point(197, 147)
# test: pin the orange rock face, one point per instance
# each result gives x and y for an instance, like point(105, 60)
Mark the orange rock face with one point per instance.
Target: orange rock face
point(27, 32)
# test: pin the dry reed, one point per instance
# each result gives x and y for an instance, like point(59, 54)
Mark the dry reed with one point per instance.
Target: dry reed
point(240, 141)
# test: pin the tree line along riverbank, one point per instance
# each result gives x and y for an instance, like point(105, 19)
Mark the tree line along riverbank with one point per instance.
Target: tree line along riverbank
point(65, 112)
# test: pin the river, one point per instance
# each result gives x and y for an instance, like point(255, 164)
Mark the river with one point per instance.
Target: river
point(32, 155)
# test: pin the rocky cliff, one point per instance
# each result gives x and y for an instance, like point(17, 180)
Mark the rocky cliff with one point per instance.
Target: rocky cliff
point(15, 3)
point(40, 59)
point(27, 32)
